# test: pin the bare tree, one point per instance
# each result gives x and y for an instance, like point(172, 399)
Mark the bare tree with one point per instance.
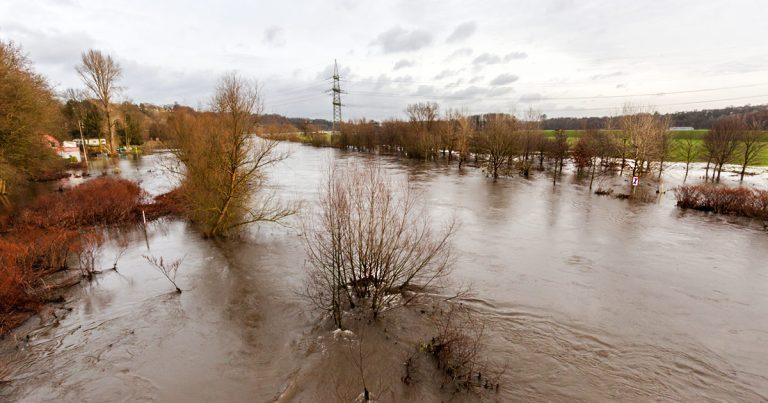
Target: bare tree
point(689, 149)
point(224, 163)
point(371, 244)
point(100, 73)
point(423, 131)
point(76, 98)
point(167, 269)
point(722, 140)
point(752, 144)
point(497, 142)
point(459, 125)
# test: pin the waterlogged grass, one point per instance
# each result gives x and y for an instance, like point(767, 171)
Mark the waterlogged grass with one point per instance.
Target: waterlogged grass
point(678, 136)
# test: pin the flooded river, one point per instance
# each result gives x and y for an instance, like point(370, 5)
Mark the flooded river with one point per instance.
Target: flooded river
point(586, 298)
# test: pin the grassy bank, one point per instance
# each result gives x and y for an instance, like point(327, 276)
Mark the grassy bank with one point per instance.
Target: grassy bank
point(678, 136)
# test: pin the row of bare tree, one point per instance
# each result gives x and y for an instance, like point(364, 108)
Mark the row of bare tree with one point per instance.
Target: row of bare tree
point(638, 141)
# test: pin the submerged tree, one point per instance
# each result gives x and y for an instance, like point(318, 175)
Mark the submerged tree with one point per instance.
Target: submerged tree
point(369, 242)
point(224, 164)
point(752, 144)
point(497, 142)
point(687, 149)
point(722, 141)
point(100, 73)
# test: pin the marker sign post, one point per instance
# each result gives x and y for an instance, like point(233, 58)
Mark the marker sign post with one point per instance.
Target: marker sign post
point(635, 181)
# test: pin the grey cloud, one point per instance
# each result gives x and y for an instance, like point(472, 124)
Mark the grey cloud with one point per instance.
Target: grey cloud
point(490, 58)
point(462, 32)
point(454, 84)
point(274, 36)
point(403, 63)
point(606, 75)
point(469, 92)
point(166, 86)
point(398, 39)
point(493, 92)
point(49, 46)
point(504, 79)
point(515, 56)
point(486, 58)
point(445, 74)
point(463, 52)
point(530, 98)
point(327, 72)
point(425, 90)
point(476, 79)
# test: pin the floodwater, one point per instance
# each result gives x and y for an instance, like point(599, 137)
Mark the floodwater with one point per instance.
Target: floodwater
point(585, 297)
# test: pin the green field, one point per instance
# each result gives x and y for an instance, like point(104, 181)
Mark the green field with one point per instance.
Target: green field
point(677, 136)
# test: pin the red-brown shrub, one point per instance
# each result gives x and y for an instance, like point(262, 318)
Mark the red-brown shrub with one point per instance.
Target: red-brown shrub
point(101, 201)
point(57, 228)
point(15, 278)
point(171, 203)
point(743, 201)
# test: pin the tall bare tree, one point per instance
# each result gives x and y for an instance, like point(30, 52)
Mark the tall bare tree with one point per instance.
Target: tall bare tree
point(224, 163)
point(76, 99)
point(752, 144)
point(497, 142)
point(100, 74)
point(722, 140)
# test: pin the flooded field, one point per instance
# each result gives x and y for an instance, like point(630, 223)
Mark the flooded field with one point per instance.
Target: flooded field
point(586, 298)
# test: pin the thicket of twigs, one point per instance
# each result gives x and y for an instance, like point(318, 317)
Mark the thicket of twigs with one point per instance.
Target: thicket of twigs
point(742, 201)
point(457, 348)
point(57, 230)
point(370, 244)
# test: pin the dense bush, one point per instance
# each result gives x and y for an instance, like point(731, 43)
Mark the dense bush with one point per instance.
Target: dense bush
point(59, 228)
point(743, 201)
point(101, 201)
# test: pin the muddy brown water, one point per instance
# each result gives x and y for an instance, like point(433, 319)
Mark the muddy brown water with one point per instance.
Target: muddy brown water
point(586, 298)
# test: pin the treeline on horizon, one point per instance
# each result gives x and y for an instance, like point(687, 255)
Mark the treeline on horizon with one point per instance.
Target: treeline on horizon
point(697, 119)
point(638, 140)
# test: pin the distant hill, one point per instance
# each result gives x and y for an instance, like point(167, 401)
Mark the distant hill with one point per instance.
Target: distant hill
point(697, 119)
point(275, 119)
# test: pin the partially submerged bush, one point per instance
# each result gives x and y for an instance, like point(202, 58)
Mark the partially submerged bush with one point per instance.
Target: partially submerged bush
point(742, 201)
point(371, 243)
point(101, 201)
point(458, 351)
point(59, 228)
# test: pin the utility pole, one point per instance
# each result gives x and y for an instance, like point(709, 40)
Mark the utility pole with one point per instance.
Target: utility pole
point(82, 143)
point(336, 89)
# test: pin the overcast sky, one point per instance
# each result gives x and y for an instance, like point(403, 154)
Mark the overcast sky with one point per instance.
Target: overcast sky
point(561, 57)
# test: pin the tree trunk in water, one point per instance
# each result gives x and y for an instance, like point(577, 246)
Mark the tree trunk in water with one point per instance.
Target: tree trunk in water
point(706, 171)
point(110, 132)
point(743, 169)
